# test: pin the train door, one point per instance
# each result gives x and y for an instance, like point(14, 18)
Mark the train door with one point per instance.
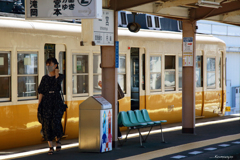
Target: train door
point(138, 99)
point(221, 81)
point(134, 78)
point(199, 87)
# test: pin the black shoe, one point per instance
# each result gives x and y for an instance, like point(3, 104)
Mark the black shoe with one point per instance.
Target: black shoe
point(51, 150)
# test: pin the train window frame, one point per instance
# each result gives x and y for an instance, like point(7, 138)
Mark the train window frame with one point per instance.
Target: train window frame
point(215, 72)
point(202, 70)
point(81, 74)
point(179, 88)
point(161, 70)
point(62, 65)
point(220, 71)
point(96, 74)
point(9, 75)
point(28, 75)
point(124, 74)
point(173, 69)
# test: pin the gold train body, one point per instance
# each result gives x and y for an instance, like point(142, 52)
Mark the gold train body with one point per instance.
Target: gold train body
point(18, 118)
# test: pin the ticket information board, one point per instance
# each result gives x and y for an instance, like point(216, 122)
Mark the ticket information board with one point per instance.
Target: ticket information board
point(63, 9)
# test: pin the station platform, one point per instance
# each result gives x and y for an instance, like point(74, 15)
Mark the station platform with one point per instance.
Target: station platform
point(215, 138)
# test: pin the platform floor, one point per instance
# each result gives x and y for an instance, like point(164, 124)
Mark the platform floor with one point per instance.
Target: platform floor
point(216, 139)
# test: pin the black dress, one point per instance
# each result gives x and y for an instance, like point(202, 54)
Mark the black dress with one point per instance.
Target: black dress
point(50, 106)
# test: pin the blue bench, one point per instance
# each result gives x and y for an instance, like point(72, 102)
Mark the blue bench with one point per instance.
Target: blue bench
point(136, 120)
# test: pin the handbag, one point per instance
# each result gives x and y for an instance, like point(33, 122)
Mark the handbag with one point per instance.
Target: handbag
point(39, 114)
point(64, 106)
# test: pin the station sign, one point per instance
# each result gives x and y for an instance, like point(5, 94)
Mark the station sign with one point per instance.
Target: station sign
point(187, 51)
point(63, 9)
point(104, 29)
point(99, 32)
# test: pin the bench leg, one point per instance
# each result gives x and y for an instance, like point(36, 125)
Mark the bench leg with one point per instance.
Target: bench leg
point(120, 142)
point(127, 135)
point(140, 137)
point(163, 141)
point(144, 140)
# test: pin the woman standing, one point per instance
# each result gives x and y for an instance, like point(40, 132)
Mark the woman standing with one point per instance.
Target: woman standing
point(50, 104)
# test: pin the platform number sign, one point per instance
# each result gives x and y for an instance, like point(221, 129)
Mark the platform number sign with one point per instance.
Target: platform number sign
point(84, 2)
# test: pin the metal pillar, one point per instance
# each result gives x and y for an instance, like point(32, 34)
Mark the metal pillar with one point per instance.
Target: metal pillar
point(188, 80)
point(109, 79)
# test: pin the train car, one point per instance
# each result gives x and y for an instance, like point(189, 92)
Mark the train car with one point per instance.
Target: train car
point(150, 74)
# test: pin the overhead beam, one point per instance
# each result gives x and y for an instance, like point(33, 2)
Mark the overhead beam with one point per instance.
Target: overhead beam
point(230, 14)
point(233, 20)
point(204, 12)
point(173, 3)
point(173, 12)
point(118, 5)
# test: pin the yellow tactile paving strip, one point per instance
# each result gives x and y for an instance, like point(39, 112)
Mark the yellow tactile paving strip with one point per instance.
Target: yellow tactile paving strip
point(181, 148)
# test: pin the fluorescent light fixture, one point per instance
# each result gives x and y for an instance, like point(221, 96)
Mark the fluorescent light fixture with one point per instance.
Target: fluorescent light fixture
point(209, 4)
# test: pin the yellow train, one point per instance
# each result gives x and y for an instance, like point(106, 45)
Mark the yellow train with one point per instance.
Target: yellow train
point(150, 74)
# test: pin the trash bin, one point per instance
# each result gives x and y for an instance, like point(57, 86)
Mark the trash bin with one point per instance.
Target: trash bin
point(95, 125)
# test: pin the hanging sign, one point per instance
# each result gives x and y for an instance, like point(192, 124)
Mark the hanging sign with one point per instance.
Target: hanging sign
point(104, 29)
point(187, 51)
point(63, 9)
point(99, 32)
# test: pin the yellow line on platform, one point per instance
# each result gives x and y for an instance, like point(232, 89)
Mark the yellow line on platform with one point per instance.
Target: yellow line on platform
point(181, 148)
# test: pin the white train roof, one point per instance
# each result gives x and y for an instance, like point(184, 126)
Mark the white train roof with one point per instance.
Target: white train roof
point(75, 29)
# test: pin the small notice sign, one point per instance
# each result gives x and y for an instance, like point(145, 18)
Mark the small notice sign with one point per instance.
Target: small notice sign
point(228, 109)
point(103, 101)
point(187, 51)
point(187, 44)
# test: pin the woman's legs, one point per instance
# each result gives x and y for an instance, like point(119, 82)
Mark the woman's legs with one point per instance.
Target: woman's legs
point(50, 147)
point(58, 144)
point(50, 144)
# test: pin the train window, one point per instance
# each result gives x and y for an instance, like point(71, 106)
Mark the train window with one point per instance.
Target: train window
point(156, 22)
point(5, 76)
point(211, 73)
point(97, 74)
point(170, 73)
point(62, 69)
point(220, 72)
point(27, 75)
point(80, 74)
point(180, 73)
point(122, 72)
point(199, 71)
point(155, 73)
point(149, 21)
point(123, 18)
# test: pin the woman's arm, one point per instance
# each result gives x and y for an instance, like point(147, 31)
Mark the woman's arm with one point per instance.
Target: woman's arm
point(40, 98)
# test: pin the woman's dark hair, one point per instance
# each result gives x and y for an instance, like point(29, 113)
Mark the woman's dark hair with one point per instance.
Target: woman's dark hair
point(54, 60)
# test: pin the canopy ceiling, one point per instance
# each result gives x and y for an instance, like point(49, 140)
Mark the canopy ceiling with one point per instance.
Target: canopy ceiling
point(225, 11)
